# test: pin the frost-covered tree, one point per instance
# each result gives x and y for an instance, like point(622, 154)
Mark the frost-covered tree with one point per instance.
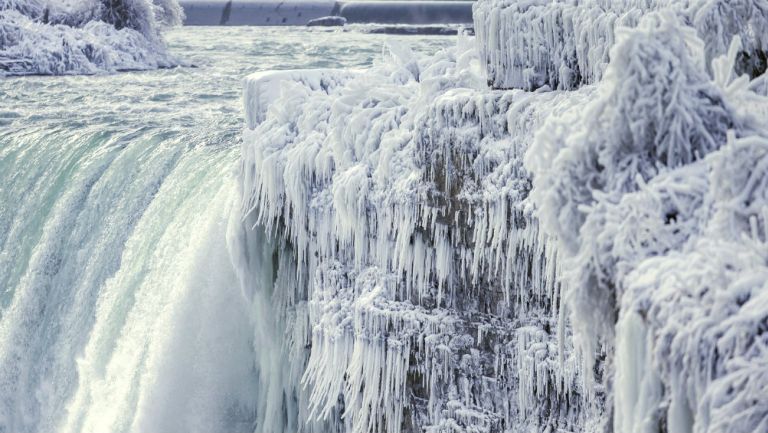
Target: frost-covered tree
point(144, 16)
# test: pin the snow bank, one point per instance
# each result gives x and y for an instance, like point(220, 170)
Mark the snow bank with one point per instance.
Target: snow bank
point(566, 43)
point(84, 36)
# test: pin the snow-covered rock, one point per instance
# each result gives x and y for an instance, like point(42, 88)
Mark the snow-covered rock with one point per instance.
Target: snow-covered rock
point(453, 258)
point(329, 21)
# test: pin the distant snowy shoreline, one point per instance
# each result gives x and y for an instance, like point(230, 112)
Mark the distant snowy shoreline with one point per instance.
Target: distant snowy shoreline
point(48, 37)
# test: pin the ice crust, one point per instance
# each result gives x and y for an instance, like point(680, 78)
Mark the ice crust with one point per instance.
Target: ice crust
point(56, 37)
point(453, 258)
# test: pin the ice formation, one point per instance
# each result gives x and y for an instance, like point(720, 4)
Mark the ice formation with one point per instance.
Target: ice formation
point(54, 37)
point(450, 257)
point(405, 256)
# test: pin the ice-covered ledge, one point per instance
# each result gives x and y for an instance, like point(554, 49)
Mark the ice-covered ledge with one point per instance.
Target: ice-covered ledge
point(261, 88)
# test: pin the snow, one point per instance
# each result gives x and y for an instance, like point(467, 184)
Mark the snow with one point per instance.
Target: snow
point(327, 21)
point(584, 256)
point(47, 37)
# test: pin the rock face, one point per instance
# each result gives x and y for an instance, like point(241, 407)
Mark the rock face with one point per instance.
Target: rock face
point(443, 256)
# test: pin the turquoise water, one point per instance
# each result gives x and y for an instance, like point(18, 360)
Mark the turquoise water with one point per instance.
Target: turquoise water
point(119, 305)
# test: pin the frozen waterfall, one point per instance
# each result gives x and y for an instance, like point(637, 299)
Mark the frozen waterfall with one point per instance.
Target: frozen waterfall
point(557, 225)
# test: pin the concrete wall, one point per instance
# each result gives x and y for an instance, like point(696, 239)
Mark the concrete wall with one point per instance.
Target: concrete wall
point(408, 12)
point(255, 13)
point(299, 12)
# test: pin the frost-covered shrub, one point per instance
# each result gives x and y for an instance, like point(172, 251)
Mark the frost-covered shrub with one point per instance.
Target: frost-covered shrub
point(84, 36)
point(656, 109)
point(658, 194)
point(566, 43)
point(705, 306)
point(147, 17)
point(719, 21)
point(34, 9)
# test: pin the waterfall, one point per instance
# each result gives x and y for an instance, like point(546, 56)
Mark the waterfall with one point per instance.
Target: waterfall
point(121, 303)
